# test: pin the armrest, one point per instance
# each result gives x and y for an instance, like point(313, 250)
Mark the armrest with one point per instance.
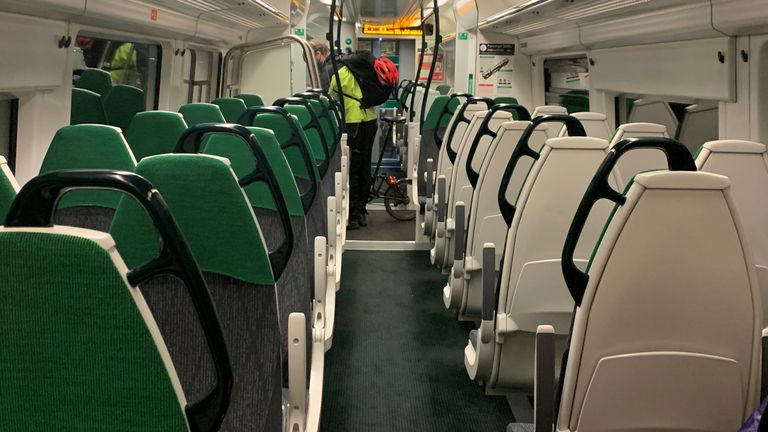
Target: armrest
point(338, 192)
point(442, 199)
point(344, 172)
point(429, 185)
point(764, 366)
point(414, 174)
point(459, 236)
point(544, 378)
point(331, 228)
point(297, 370)
point(321, 278)
point(488, 308)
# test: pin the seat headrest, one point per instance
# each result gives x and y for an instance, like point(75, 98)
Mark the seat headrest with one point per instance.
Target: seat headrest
point(582, 143)
point(682, 180)
point(89, 146)
point(734, 146)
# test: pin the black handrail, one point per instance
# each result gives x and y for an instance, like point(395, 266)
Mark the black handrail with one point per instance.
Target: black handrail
point(412, 112)
point(678, 159)
point(334, 63)
point(436, 51)
point(522, 114)
point(249, 116)
point(35, 206)
point(523, 149)
point(191, 141)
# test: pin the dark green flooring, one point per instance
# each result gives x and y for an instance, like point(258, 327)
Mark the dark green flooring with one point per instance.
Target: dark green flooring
point(397, 358)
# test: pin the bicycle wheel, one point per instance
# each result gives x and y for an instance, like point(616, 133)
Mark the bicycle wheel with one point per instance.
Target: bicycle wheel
point(396, 201)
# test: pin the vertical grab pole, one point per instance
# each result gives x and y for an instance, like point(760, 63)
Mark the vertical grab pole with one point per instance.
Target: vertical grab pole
point(438, 42)
point(335, 65)
point(411, 113)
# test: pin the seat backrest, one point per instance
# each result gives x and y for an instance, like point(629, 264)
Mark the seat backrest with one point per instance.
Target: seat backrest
point(532, 289)
point(196, 113)
point(89, 146)
point(312, 133)
point(231, 108)
point(443, 89)
point(458, 128)
point(548, 110)
point(154, 132)
point(504, 100)
point(86, 107)
point(69, 296)
point(122, 103)
point(643, 159)
point(8, 188)
point(670, 318)
point(459, 186)
point(250, 99)
point(486, 225)
point(595, 124)
point(219, 225)
point(745, 163)
point(96, 80)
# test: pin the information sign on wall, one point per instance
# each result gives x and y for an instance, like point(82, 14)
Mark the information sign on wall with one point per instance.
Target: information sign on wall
point(439, 74)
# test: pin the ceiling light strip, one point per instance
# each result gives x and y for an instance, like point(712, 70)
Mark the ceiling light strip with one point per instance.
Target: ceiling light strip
point(271, 9)
point(509, 13)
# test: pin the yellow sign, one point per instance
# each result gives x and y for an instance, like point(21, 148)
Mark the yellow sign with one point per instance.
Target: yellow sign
point(390, 30)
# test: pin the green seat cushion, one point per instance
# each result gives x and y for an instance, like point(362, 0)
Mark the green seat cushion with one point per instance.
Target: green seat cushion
point(312, 134)
point(243, 163)
point(7, 190)
point(280, 127)
point(86, 108)
point(122, 103)
point(250, 99)
point(196, 113)
point(325, 125)
point(434, 112)
point(95, 80)
point(231, 108)
point(154, 132)
point(77, 353)
point(89, 146)
point(211, 210)
point(504, 100)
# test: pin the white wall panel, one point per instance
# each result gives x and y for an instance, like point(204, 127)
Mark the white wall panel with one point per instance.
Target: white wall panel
point(265, 73)
point(686, 69)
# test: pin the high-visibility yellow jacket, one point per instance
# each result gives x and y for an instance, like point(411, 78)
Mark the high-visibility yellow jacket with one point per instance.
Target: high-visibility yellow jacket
point(354, 112)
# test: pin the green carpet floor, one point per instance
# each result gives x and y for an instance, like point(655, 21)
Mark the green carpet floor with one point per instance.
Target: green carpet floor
point(397, 358)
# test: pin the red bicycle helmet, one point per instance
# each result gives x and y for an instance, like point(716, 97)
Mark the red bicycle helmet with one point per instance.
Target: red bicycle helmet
point(386, 71)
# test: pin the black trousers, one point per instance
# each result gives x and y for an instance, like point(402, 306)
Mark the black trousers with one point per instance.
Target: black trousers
point(360, 137)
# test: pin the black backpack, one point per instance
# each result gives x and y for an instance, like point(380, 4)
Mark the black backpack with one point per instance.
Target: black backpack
point(360, 63)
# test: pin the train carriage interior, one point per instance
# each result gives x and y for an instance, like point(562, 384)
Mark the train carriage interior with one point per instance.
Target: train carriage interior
point(384, 215)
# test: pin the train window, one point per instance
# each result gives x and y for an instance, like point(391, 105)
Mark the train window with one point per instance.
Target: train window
point(128, 62)
point(9, 108)
point(692, 122)
point(566, 83)
point(200, 72)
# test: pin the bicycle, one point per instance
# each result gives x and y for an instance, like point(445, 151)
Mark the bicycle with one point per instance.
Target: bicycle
point(395, 195)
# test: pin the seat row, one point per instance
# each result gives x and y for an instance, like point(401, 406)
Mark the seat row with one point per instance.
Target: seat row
point(216, 275)
point(636, 295)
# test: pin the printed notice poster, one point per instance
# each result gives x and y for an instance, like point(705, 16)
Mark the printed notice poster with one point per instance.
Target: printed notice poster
point(495, 75)
point(439, 75)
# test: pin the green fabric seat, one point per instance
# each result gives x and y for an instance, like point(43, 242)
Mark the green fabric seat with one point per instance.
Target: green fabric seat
point(77, 352)
point(154, 132)
point(434, 112)
point(220, 228)
point(278, 125)
point(196, 113)
point(243, 163)
point(504, 100)
point(95, 80)
point(324, 118)
point(86, 107)
point(122, 103)
point(8, 189)
point(89, 147)
point(313, 135)
point(231, 108)
point(443, 89)
point(250, 99)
